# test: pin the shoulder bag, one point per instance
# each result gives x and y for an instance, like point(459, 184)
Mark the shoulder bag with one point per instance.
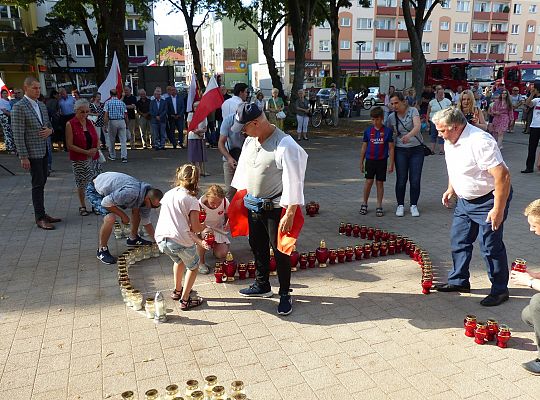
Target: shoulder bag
point(427, 151)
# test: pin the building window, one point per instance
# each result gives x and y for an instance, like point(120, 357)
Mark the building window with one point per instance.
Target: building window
point(387, 24)
point(530, 28)
point(426, 47)
point(135, 50)
point(479, 48)
point(482, 7)
point(515, 29)
point(480, 28)
point(528, 48)
point(366, 47)
point(132, 24)
point(83, 50)
point(538, 49)
point(324, 45)
point(443, 46)
point(512, 48)
point(462, 6)
point(386, 3)
point(532, 9)
point(499, 28)
point(401, 25)
point(459, 48)
point(404, 47)
point(444, 26)
point(290, 44)
point(345, 44)
point(499, 7)
point(345, 21)
point(364, 23)
point(517, 8)
point(9, 11)
point(445, 4)
point(461, 27)
point(427, 26)
point(385, 46)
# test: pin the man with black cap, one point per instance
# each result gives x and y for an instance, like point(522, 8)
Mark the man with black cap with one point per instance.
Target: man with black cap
point(271, 168)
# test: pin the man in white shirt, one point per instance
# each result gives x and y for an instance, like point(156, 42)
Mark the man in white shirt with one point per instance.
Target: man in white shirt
point(480, 179)
point(533, 101)
point(230, 106)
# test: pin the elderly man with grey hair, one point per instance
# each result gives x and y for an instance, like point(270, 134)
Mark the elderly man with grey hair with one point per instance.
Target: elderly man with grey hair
point(479, 177)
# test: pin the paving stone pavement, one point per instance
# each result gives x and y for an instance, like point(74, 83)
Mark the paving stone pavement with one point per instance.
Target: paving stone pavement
point(359, 330)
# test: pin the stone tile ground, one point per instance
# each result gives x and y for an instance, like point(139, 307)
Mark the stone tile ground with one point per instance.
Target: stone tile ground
point(359, 330)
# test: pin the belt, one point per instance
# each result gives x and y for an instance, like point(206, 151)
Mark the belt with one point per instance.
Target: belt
point(116, 119)
point(481, 199)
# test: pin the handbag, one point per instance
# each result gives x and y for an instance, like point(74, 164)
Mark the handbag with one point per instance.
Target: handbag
point(281, 115)
point(427, 151)
point(101, 158)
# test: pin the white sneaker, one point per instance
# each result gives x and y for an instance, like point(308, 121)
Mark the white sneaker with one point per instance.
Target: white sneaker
point(204, 269)
point(414, 211)
point(400, 211)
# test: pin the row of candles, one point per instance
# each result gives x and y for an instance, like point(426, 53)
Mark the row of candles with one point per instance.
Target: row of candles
point(124, 230)
point(488, 331)
point(154, 306)
point(211, 390)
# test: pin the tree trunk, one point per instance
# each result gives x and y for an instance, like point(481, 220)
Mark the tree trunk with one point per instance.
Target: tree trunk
point(268, 50)
point(116, 35)
point(196, 55)
point(334, 43)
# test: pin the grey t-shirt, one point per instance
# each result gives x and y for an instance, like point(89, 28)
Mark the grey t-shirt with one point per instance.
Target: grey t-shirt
point(264, 179)
point(234, 140)
point(302, 103)
point(404, 127)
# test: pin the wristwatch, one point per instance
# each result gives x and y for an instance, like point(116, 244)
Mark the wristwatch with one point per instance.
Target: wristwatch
point(531, 283)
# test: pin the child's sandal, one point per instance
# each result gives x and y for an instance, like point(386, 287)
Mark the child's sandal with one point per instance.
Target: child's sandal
point(83, 211)
point(363, 209)
point(190, 303)
point(379, 212)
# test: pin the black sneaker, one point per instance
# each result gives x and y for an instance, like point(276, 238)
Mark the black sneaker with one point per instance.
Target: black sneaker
point(285, 305)
point(256, 291)
point(105, 257)
point(139, 241)
point(124, 160)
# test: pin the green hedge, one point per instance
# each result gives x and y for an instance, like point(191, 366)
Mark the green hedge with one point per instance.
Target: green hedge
point(363, 81)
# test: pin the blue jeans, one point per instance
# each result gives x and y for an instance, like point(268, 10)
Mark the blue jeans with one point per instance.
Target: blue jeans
point(470, 220)
point(159, 134)
point(409, 162)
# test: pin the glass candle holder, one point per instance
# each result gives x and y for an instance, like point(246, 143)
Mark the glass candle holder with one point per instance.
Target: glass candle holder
point(480, 334)
point(493, 329)
point(209, 383)
point(129, 395)
point(155, 250)
point(126, 229)
point(348, 229)
point(138, 254)
point(239, 396)
point(126, 289)
point(147, 252)
point(192, 385)
point(332, 256)
point(356, 230)
point(197, 395)
point(311, 259)
point(149, 308)
point(118, 232)
point(237, 387)
point(218, 393)
point(170, 392)
point(363, 231)
point(503, 336)
point(160, 314)
point(470, 325)
point(151, 394)
point(341, 228)
point(136, 300)
point(341, 255)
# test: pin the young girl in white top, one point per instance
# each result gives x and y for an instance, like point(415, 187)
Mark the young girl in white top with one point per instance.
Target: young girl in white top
point(214, 203)
point(176, 232)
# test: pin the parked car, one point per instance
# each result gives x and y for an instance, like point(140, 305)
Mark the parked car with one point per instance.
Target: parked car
point(324, 94)
point(373, 97)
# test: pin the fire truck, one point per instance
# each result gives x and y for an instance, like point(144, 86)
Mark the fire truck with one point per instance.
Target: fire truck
point(449, 73)
point(519, 75)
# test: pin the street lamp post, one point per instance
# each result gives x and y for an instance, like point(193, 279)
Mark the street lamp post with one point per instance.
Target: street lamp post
point(359, 43)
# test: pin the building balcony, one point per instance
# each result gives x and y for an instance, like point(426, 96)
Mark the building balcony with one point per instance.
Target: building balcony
point(402, 34)
point(403, 55)
point(412, 12)
point(385, 55)
point(498, 55)
point(10, 24)
point(478, 56)
point(480, 36)
point(386, 11)
point(290, 54)
point(385, 33)
point(482, 15)
point(135, 34)
point(498, 36)
point(500, 16)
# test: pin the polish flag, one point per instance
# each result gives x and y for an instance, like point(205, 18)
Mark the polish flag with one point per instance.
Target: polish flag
point(193, 93)
point(152, 64)
point(211, 100)
point(113, 81)
point(3, 86)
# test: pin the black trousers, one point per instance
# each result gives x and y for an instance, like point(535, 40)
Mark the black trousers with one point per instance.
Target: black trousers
point(534, 137)
point(38, 172)
point(263, 230)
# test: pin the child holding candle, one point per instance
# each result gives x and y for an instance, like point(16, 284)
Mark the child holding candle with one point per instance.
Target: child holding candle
point(531, 313)
point(176, 232)
point(377, 148)
point(215, 204)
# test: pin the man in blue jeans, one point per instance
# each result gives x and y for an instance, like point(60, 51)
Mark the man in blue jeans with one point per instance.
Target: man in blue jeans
point(479, 177)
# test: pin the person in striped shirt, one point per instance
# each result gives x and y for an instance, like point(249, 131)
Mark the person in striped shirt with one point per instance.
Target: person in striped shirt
point(377, 150)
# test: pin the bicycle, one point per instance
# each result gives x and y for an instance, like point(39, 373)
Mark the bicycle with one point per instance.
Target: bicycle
point(322, 112)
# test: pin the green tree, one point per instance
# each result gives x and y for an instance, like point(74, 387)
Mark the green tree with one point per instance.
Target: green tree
point(301, 17)
point(415, 29)
point(266, 18)
point(190, 9)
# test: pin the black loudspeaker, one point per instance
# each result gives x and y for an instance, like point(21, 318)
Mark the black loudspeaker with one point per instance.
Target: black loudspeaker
point(150, 77)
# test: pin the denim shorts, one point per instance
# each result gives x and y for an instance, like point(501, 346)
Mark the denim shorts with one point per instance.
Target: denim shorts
point(180, 254)
point(95, 199)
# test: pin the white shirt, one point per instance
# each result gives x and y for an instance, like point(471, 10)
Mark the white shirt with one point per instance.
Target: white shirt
point(202, 126)
point(36, 108)
point(438, 105)
point(468, 162)
point(230, 106)
point(535, 122)
point(173, 221)
point(215, 219)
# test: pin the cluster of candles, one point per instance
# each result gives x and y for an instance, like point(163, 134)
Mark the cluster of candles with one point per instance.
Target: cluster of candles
point(154, 306)
point(488, 331)
point(225, 271)
point(211, 390)
point(124, 230)
point(312, 208)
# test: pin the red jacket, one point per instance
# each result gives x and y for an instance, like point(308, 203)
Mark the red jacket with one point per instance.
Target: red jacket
point(80, 140)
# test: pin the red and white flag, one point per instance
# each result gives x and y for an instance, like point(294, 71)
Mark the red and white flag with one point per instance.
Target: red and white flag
point(113, 81)
point(3, 86)
point(193, 93)
point(211, 100)
point(152, 64)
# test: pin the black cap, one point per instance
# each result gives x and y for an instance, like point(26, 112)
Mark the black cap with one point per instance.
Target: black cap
point(245, 113)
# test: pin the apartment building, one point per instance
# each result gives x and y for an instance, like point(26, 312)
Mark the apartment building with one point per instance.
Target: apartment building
point(140, 46)
point(501, 30)
point(14, 67)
